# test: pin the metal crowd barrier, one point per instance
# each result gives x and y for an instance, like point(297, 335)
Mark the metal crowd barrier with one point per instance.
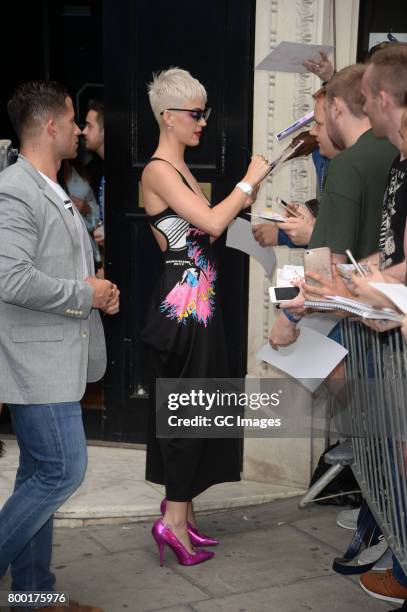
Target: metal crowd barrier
point(372, 410)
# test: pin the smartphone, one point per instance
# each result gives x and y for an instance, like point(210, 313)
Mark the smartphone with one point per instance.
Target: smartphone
point(312, 206)
point(319, 261)
point(284, 205)
point(282, 294)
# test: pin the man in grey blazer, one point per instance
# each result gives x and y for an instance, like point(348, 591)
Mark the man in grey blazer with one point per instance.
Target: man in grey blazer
point(51, 336)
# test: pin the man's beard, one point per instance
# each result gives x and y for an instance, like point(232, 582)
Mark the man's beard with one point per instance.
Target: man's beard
point(335, 135)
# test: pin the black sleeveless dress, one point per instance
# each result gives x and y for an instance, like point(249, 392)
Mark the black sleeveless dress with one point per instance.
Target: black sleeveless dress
point(185, 332)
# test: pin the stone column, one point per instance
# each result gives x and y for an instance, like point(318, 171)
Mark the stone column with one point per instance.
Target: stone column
point(279, 99)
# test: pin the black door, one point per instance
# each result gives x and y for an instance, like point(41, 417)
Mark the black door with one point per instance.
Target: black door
point(214, 40)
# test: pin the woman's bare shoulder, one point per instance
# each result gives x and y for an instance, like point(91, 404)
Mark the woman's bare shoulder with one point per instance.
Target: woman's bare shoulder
point(156, 167)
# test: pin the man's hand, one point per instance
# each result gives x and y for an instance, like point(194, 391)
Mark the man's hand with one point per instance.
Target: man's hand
point(266, 234)
point(283, 332)
point(379, 325)
point(303, 211)
point(297, 229)
point(114, 304)
point(296, 305)
point(105, 294)
point(404, 328)
point(322, 66)
point(81, 205)
point(366, 293)
point(336, 286)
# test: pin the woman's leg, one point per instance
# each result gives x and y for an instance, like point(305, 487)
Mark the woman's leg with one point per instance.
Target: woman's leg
point(176, 518)
point(191, 514)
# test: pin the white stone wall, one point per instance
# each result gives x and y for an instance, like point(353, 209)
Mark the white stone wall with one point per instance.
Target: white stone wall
point(279, 99)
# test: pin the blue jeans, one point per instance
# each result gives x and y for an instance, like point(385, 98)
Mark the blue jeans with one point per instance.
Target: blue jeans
point(53, 461)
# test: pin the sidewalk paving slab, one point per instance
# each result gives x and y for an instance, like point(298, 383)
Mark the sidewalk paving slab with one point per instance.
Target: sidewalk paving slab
point(272, 558)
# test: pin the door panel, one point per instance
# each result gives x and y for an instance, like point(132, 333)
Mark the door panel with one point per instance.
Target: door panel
point(213, 40)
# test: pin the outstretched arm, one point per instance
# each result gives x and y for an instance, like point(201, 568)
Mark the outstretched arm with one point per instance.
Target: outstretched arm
point(161, 183)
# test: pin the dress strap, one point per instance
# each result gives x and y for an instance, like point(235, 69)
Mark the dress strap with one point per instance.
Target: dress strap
point(184, 180)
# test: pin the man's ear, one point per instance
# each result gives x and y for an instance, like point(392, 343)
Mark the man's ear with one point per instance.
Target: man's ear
point(384, 100)
point(51, 127)
point(337, 107)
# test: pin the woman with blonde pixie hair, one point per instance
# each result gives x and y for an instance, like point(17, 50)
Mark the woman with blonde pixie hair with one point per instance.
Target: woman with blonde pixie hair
point(185, 328)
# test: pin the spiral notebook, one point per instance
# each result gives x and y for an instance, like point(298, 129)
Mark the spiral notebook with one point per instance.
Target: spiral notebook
point(359, 309)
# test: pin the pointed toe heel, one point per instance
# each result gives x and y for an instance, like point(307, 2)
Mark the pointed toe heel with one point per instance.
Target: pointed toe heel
point(163, 535)
point(197, 538)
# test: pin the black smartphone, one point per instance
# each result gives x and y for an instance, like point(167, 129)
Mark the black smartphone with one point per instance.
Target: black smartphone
point(312, 206)
point(282, 294)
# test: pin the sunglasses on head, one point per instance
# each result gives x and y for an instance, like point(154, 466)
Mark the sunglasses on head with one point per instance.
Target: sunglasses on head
point(196, 114)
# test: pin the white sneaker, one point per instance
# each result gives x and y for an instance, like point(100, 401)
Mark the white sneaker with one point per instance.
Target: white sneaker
point(385, 562)
point(373, 553)
point(348, 519)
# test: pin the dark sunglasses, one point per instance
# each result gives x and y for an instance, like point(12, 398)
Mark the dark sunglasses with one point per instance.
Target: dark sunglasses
point(195, 114)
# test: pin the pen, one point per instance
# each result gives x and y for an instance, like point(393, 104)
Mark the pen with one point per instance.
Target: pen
point(359, 270)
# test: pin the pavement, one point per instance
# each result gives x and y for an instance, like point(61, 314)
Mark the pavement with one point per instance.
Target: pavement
point(272, 557)
point(115, 489)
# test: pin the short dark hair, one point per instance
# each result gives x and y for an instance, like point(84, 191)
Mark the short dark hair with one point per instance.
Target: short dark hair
point(346, 84)
point(33, 101)
point(390, 72)
point(99, 108)
point(320, 93)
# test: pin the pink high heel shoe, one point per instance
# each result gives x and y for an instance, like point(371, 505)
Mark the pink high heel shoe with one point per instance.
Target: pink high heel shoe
point(163, 535)
point(197, 538)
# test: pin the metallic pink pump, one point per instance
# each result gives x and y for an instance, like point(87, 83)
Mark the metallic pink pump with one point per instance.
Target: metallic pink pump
point(163, 535)
point(197, 538)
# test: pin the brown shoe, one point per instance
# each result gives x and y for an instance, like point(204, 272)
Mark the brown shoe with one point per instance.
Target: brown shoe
point(74, 606)
point(383, 585)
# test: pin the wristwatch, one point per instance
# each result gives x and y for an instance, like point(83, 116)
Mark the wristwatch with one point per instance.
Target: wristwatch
point(245, 187)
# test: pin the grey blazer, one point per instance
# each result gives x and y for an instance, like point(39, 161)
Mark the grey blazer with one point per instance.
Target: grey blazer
point(51, 340)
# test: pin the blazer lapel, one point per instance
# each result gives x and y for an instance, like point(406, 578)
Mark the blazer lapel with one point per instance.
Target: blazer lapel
point(88, 246)
point(66, 216)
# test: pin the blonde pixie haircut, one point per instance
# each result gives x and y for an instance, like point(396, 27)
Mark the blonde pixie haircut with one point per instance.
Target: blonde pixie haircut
point(172, 89)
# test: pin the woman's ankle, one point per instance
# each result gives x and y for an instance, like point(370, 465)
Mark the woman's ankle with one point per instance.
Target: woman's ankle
point(174, 522)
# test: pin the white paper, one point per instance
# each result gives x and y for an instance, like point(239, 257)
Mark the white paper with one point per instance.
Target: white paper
point(321, 323)
point(289, 56)
point(289, 274)
point(377, 37)
point(240, 236)
point(310, 359)
point(396, 292)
